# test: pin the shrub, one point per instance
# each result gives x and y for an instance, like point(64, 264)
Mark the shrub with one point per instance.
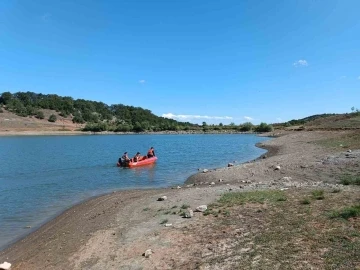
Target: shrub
point(263, 127)
point(305, 201)
point(40, 115)
point(346, 213)
point(248, 126)
point(52, 118)
point(350, 180)
point(318, 194)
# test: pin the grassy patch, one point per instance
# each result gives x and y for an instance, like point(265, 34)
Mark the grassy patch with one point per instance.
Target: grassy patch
point(318, 194)
point(185, 206)
point(305, 201)
point(346, 213)
point(350, 180)
point(164, 221)
point(350, 140)
point(236, 198)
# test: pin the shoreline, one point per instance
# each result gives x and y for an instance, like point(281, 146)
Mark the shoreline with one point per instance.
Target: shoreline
point(51, 219)
point(89, 234)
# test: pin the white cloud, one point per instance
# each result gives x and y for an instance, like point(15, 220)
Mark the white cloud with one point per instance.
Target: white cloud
point(300, 63)
point(45, 17)
point(142, 81)
point(186, 117)
point(248, 118)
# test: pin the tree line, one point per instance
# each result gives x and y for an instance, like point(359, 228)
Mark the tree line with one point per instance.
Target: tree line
point(99, 116)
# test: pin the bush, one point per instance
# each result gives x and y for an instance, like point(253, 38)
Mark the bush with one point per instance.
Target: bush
point(318, 194)
point(263, 127)
point(246, 127)
point(40, 115)
point(52, 118)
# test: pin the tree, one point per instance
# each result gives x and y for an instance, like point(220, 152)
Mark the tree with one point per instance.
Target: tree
point(40, 115)
point(263, 127)
point(52, 118)
point(247, 126)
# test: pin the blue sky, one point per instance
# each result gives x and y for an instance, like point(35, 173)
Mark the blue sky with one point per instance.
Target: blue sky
point(214, 61)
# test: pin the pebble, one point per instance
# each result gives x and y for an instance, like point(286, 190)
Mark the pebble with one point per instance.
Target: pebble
point(163, 198)
point(148, 253)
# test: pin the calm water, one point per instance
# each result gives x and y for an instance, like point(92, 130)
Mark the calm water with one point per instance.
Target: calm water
point(43, 175)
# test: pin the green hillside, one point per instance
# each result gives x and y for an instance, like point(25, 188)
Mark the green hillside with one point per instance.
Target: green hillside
point(98, 116)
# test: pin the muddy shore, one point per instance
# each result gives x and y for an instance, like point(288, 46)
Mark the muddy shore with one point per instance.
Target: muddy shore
point(113, 231)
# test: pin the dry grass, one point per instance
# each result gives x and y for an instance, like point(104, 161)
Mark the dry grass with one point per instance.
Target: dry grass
point(260, 230)
point(348, 141)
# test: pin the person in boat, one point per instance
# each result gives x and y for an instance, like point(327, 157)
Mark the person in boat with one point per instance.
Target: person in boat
point(137, 157)
point(151, 152)
point(124, 159)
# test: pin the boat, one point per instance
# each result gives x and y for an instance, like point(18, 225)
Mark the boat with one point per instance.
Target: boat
point(144, 161)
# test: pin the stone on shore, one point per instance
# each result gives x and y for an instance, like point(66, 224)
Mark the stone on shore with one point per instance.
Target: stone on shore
point(205, 170)
point(189, 213)
point(277, 168)
point(5, 266)
point(230, 164)
point(201, 208)
point(163, 198)
point(148, 253)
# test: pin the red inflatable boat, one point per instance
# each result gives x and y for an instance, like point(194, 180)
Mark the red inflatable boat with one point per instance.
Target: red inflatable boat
point(144, 161)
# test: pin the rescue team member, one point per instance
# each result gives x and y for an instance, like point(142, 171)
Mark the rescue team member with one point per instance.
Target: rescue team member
point(124, 159)
point(151, 152)
point(137, 157)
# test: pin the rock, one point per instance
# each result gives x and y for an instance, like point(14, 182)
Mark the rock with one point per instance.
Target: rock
point(286, 178)
point(168, 225)
point(189, 213)
point(220, 180)
point(147, 253)
point(178, 187)
point(264, 156)
point(201, 208)
point(277, 168)
point(5, 265)
point(26, 227)
point(230, 164)
point(163, 198)
point(212, 183)
point(349, 151)
point(205, 170)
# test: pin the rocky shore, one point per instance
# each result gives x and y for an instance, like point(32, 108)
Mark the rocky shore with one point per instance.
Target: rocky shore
point(141, 229)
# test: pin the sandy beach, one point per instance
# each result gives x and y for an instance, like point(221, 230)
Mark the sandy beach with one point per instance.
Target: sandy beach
point(113, 231)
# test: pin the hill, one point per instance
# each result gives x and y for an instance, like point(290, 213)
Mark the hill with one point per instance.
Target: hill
point(36, 111)
point(324, 122)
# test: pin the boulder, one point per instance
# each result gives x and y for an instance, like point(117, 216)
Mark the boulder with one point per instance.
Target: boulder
point(205, 170)
point(230, 164)
point(212, 183)
point(220, 180)
point(163, 198)
point(189, 213)
point(168, 225)
point(5, 266)
point(201, 208)
point(147, 253)
point(277, 168)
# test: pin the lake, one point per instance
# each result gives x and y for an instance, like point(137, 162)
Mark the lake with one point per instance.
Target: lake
point(41, 176)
